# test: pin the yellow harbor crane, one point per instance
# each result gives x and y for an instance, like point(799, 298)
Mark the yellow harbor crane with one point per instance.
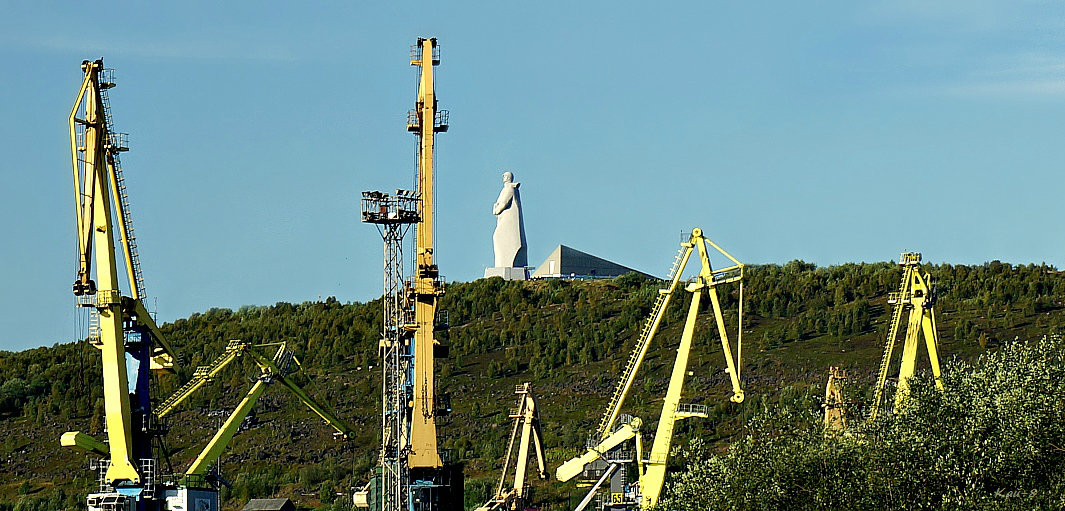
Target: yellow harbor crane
point(527, 420)
point(130, 343)
point(276, 369)
point(413, 473)
point(916, 299)
point(609, 450)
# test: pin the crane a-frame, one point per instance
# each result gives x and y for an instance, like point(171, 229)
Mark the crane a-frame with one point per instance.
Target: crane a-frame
point(526, 420)
point(916, 299)
point(275, 369)
point(613, 433)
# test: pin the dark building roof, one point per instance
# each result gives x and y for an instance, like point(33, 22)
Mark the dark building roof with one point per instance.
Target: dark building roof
point(269, 505)
point(569, 262)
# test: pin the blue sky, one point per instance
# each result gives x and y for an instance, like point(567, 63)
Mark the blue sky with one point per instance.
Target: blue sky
point(824, 131)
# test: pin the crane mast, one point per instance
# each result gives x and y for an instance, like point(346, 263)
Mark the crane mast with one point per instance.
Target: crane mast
point(413, 473)
point(427, 286)
point(130, 343)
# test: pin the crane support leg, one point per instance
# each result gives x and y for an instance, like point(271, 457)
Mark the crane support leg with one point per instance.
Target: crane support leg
point(726, 348)
point(218, 443)
point(909, 355)
point(929, 328)
point(655, 475)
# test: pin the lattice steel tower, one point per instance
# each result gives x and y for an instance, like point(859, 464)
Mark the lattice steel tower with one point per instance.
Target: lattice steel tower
point(393, 216)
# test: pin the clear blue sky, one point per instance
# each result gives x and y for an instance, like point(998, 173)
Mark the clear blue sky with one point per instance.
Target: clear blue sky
point(824, 131)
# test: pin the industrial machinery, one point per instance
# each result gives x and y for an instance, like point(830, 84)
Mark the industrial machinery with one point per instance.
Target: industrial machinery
point(131, 345)
point(527, 420)
point(276, 369)
point(608, 449)
point(414, 474)
point(916, 299)
point(129, 341)
point(834, 405)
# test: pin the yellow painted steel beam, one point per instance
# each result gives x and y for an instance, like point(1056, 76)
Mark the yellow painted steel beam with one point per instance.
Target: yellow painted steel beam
point(329, 418)
point(83, 442)
point(654, 474)
point(270, 368)
point(123, 229)
point(163, 354)
point(575, 466)
point(224, 435)
point(423, 440)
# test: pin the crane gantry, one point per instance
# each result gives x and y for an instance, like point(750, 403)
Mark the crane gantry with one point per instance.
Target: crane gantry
point(526, 420)
point(615, 430)
point(916, 299)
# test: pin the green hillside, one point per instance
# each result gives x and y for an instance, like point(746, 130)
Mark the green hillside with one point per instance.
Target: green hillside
point(568, 338)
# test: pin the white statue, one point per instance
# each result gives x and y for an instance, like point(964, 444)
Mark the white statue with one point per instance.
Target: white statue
point(509, 238)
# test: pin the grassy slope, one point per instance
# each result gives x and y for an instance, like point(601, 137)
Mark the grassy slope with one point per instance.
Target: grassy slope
point(500, 335)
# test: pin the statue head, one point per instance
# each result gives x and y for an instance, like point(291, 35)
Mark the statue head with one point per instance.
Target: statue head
point(508, 177)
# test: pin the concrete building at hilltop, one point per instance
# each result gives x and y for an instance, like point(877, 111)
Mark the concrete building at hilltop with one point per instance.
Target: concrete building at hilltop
point(567, 263)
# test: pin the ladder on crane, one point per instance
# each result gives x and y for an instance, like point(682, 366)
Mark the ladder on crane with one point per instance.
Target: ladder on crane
point(650, 328)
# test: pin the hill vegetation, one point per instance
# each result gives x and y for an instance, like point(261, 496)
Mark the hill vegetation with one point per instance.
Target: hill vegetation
point(569, 338)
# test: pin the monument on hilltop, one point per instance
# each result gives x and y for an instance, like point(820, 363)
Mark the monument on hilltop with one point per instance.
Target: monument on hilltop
point(511, 260)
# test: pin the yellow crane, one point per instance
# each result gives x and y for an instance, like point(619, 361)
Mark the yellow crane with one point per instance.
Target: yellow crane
point(276, 369)
point(615, 433)
point(425, 121)
point(527, 420)
point(916, 300)
point(130, 343)
point(834, 405)
point(413, 473)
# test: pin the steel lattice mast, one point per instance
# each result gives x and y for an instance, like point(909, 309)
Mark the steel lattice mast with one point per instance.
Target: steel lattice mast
point(393, 216)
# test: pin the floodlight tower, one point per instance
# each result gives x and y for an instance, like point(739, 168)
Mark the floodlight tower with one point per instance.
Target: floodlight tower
point(393, 215)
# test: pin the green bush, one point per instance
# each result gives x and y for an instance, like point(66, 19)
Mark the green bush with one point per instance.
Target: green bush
point(992, 440)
